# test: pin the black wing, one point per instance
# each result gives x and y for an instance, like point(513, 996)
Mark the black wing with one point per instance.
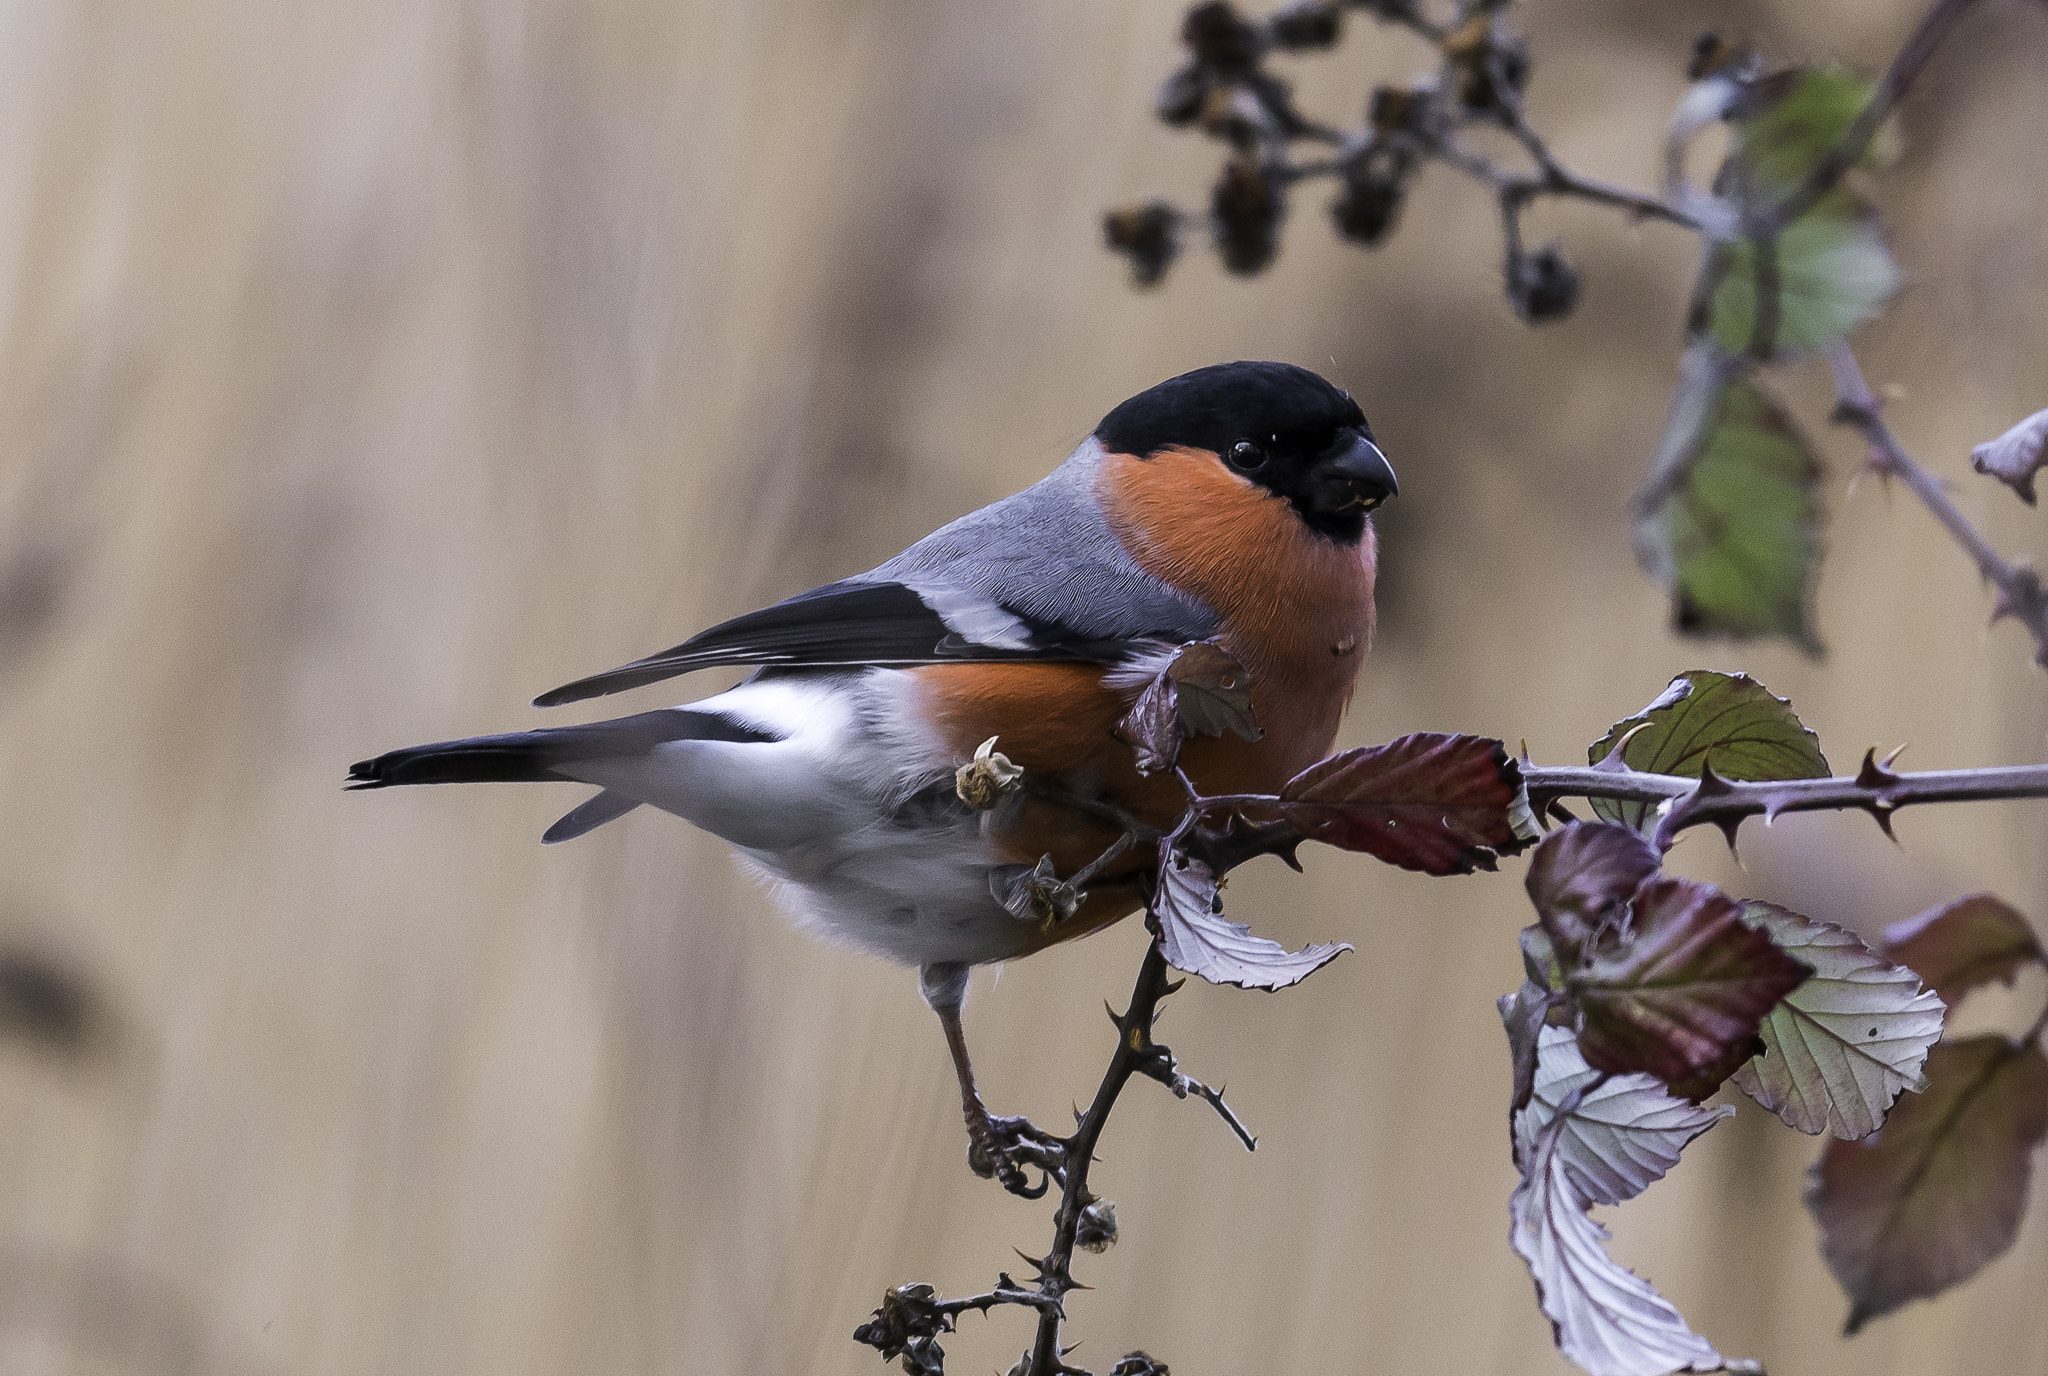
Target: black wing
point(851, 623)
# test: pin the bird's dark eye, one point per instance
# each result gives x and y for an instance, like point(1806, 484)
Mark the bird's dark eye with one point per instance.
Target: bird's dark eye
point(1247, 457)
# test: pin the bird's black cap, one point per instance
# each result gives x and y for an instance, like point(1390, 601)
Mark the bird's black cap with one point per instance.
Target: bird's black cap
point(1212, 408)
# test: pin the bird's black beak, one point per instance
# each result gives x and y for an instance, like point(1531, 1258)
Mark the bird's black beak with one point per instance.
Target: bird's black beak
point(1359, 463)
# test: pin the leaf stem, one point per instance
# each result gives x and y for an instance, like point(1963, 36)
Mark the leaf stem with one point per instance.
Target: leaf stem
point(2020, 594)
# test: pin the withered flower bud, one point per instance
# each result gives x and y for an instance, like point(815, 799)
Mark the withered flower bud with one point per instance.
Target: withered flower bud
point(1218, 36)
point(1096, 1231)
point(987, 779)
point(1180, 97)
point(1139, 1364)
point(1369, 199)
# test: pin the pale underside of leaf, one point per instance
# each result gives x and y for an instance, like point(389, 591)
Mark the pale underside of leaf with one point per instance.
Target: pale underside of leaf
point(2013, 457)
point(1197, 938)
point(1847, 1042)
point(1584, 1140)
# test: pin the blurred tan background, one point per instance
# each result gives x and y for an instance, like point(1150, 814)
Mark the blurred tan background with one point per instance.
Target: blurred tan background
point(366, 368)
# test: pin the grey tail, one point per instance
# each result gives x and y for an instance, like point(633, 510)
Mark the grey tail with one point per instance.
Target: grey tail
point(589, 815)
point(528, 756)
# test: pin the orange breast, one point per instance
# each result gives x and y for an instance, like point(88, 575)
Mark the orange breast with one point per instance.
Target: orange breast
point(1296, 610)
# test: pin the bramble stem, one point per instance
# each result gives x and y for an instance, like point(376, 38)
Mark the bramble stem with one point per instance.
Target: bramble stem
point(1134, 1045)
point(2020, 594)
point(1722, 802)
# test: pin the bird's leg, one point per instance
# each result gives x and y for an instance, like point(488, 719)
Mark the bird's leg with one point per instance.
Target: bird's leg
point(994, 1145)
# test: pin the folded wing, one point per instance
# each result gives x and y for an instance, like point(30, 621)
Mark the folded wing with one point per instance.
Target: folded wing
point(1037, 576)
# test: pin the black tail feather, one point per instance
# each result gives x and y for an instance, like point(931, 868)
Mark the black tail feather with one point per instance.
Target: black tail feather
point(529, 756)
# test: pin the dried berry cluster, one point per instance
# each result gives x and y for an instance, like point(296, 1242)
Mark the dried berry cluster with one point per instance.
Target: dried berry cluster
point(1226, 91)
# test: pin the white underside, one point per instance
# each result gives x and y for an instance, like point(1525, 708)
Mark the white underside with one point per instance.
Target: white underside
point(831, 816)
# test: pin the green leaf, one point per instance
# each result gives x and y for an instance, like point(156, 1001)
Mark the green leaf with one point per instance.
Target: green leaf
point(1938, 1191)
point(1750, 733)
point(1788, 121)
point(1728, 519)
point(1833, 273)
point(1842, 1046)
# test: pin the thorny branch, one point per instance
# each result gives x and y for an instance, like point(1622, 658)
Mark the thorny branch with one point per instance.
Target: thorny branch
point(912, 1315)
point(2020, 594)
point(1875, 789)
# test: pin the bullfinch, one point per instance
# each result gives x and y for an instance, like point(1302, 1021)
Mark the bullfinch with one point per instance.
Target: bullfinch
point(1229, 504)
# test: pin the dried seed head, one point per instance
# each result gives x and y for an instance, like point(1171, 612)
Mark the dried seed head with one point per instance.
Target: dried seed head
point(1542, 286)
point(1246, 207)
point(1139, 1364)
point(1308, 24)
point(909, 1315)
point(988, 778)
point(1148, 234)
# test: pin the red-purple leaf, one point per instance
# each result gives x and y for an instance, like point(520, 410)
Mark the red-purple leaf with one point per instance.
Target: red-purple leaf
point(1213, 691)
point(1430, 802)
point(1522, 1013)
point(1153, 728)
point(1682, 997)
point(1202, 691)
point(1581, 875)
point(1938, 1191)
point(1957, 946)
point(1195, 936)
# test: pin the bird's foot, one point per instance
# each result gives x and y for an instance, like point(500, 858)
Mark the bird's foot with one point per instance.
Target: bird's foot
point(1000, 1148)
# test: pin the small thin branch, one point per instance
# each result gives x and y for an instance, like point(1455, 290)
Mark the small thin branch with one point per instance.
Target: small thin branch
point(2020, 594)
point(1163, 1068)
point(1006, 1292)
point(1554, 178)
point(1905, 69)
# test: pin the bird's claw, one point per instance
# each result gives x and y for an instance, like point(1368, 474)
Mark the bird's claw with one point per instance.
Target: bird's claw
point(999, 1148)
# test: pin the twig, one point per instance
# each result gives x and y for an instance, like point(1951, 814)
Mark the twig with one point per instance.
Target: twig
point(2020, 594)
point(1906, 67)
point(1163, 1068)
